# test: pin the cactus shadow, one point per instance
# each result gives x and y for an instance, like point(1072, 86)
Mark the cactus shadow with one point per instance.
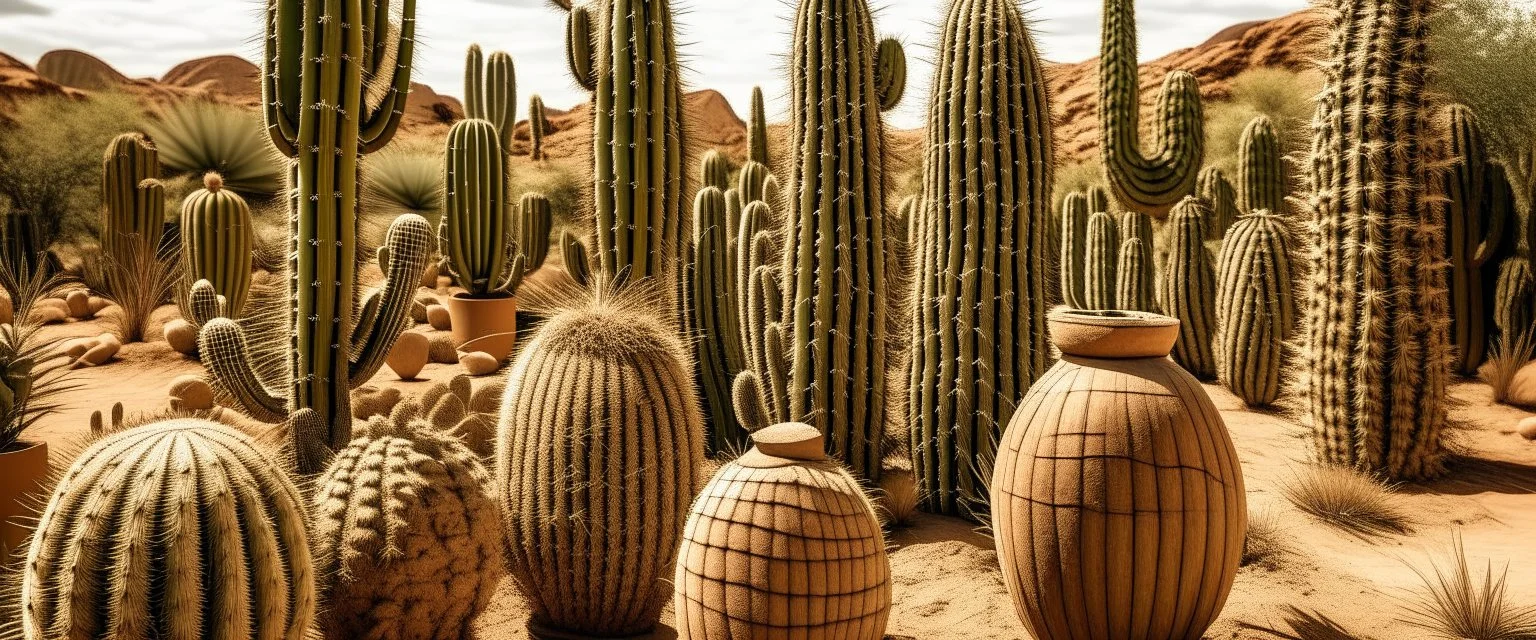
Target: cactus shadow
point(1468, 475)
point(1304, 625)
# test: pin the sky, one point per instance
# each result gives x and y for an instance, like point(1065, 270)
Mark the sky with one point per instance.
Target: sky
point(728, 45)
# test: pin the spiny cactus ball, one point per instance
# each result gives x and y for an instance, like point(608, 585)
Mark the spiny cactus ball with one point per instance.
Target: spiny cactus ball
point(407, 533)
point(178, 529)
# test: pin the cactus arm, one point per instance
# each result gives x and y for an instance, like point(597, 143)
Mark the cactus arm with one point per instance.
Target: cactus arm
point(474, 83)
point(890, 73)
point(517, 267)
point(579, 50)
point(384, 122)
point(388, 310)
point(223, 347)
point(280, 97)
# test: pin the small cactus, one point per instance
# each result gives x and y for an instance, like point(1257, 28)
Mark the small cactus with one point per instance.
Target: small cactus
point(1515, 295)
point(216, 245)
point(475, 235)
point(133, 221)
point(1262, 183)
point(757, 130)
point(1254, 307)
point(1219, 196)
point(1074, 250)
point(1100, 262)
point(538, 125)
point(1134, 284)
point(535, 219)
point(1189, 290)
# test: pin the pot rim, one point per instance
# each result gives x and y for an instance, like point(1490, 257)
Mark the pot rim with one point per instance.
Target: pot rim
point(465, 296)
point(1111, 318)
point(23, 446)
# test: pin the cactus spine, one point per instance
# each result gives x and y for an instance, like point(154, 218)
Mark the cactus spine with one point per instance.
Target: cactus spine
point(1262, 183)
point(597, 460)
point(715, 316)
point(981, 243)
point(538, 123)
point(1376, 319)
point(835, 296)
point(317, 73)
point(1100, 262)
point(1074, 250)
point(1220, 197)
point(399, 505)
point(1474, 225)
point(757, 130)
point(1189, 289)
point(1153, 182)
point(476, 233)
point(1134, 277)
point(490, 92)
point(1254, 307)
point(178, 529)
point(216, 244)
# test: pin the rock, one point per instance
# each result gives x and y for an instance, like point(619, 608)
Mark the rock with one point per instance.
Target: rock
point(104, 348)
point(191, 393)
point(98, 304)
point(181, 336)
point(442, 348)
point(76, 347)
point(419, 308)
point(1527, 428)
point(1522, 387)
point(409, 355)
point(479, 363)
point(437, 316)
point(79, 303)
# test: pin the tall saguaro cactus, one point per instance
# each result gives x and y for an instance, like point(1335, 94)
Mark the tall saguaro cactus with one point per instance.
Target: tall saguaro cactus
point(337, 74)
point(982, 251)
point(1474, 225)
point(835, 250)
point(1155, 180)
point(130, 225)
point(625, 53)
point(1376, 321)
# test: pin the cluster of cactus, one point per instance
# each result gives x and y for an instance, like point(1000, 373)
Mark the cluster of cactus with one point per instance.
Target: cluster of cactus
point(1188, 291)
point(134, 217)
point(1153, 182)
point(1105, 262)
point(1474, 225)
point(476, 234)
point(1262, 183)
point(711, 300)
point(490, 93)
point(406, 532)
point(980, 246)
point(1220, 197)
point(598, 455)
point(538, 125)
point(1254, 307)
point(318, 116)
point(217, 242)
point(1376, 318)
point(625, 53)
point(178, 529)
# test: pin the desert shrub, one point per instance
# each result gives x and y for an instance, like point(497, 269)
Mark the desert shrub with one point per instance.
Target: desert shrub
point(198, 137)
point(397, 181)
point(50, 161)
point(32, 372)
point(1345, 498)
point(1509, 355)
point(1077, 177)
point(1266, 542)
point(1485, 58)
point(565, 188)
point(1283, 95)
point(144, 281)
point(1454, 605)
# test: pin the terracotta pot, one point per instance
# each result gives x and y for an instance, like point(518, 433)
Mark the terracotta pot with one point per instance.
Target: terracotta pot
point(23, 468)
point(484, 324)
point(782, 544)
point(1117, 499)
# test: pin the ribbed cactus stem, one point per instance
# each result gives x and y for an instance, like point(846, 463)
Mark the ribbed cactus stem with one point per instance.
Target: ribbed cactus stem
point(1220, 197)
point(1138, 225)
point(477, 237)
point(1377, 322)
point(1254, 307)
point(535, 222)
point(1098, 200)
point(1512, 303)
point(490, 92)
point(712, 276)
point(216, 244)
point(1100, 262)
point(538, 125)
point(1134, 284)
point(715, 171)
point(1188, 292)
point(981, 251)
point(1154, 180)
point(757, 130)
point(129, 227)
point(1073, 267)
point(1262, 183)
point(1474, 225)
point(835, 296)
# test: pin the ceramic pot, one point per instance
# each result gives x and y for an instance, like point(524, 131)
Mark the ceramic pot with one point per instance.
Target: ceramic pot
point(484, 324)
point(23, 468)
point(1117, 499)
point(782, 544)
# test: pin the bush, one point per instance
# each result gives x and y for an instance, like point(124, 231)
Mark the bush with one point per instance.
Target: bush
point(1451, 604)
point(199, 137)
point(1346, 499)
point(1283, 95)
point(1485, 58)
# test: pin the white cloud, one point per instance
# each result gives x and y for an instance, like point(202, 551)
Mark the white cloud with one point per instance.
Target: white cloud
point(730, 45)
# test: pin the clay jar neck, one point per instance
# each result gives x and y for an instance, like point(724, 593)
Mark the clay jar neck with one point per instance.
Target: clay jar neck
point(783, 445)
point(488, 297)
point(1114, 335)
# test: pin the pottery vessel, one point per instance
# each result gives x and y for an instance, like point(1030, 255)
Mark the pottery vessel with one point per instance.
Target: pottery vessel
point(488, 325)
point(782, 544)
point(23, 468)
point(1117, 499)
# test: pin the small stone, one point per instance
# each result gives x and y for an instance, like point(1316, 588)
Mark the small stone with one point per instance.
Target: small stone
point(479, 363)
point(191, 393)
point(76, 347)
point(99, 354)
point(79, 303)
point(1522, 387)
point(419, 308)
point(437, 316)
point(1527, 428)
point(181, 336)
point(409, 355)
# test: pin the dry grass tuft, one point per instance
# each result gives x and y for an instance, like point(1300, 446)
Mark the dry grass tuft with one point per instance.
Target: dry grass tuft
point(1266, 542)
point(1507, 358)
point(1345, 498)
point(143, 281)
point(1455, 606)
point(897, 499)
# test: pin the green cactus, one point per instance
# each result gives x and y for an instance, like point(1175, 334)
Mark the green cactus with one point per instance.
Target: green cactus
point(712, 276)
point(1138, 225)
point(177, 529)
point(1188, 292)
point(625, 53)
point(598, 456)
point(535, 221)
point(1134, 277)
point(835, 288)
point(134, 219)
point(573, 253)
point(1254, 307)
point(317, 115)
point(538, 123)
point(1074, 250)
point(490, 93)
point(1377, 323)
point(1262, 183)
point(1149, 182)
point(715, 170)
point(1098, 200)
point(217, 242)
point(1474, 225)
point(981, 251)
point(757, 130)
point(476, 234)
point(752, 183)
point(402, 502)
point(1100, 261)
point(759, 299)
point(1512, 304)
point(1220, 197)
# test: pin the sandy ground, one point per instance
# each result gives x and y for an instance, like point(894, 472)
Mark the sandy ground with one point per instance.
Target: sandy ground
point(947, 583)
